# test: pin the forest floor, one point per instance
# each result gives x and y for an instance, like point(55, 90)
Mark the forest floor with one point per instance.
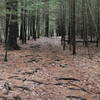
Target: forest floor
point(41, 70)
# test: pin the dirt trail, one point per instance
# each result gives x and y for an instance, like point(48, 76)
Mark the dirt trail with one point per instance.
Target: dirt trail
point(41, 70)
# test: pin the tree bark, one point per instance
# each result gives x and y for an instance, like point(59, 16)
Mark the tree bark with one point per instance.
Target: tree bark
point(13, 26)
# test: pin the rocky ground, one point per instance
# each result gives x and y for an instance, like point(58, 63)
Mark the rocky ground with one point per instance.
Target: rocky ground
point(41, 70)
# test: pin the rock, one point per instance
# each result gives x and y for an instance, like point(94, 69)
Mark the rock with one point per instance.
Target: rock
point(5, 91)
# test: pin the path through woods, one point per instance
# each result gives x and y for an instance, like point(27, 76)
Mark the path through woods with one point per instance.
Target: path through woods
point(41, 70)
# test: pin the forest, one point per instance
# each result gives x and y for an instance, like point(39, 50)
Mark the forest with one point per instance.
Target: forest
point(49, 49)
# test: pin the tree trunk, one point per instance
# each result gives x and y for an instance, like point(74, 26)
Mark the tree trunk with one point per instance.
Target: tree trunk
point(47, 19)
point(13, 26)
point(73, 27)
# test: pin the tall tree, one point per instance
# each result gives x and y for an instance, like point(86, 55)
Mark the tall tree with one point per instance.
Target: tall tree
point(98, 21)
point(46, 18)
point(73, 33)
point(63, 23)
point(12, 6)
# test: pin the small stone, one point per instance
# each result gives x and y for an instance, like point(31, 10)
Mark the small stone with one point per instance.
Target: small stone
point(5, 91)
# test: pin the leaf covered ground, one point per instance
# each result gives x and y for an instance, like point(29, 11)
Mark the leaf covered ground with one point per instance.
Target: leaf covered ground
point(41, 70)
